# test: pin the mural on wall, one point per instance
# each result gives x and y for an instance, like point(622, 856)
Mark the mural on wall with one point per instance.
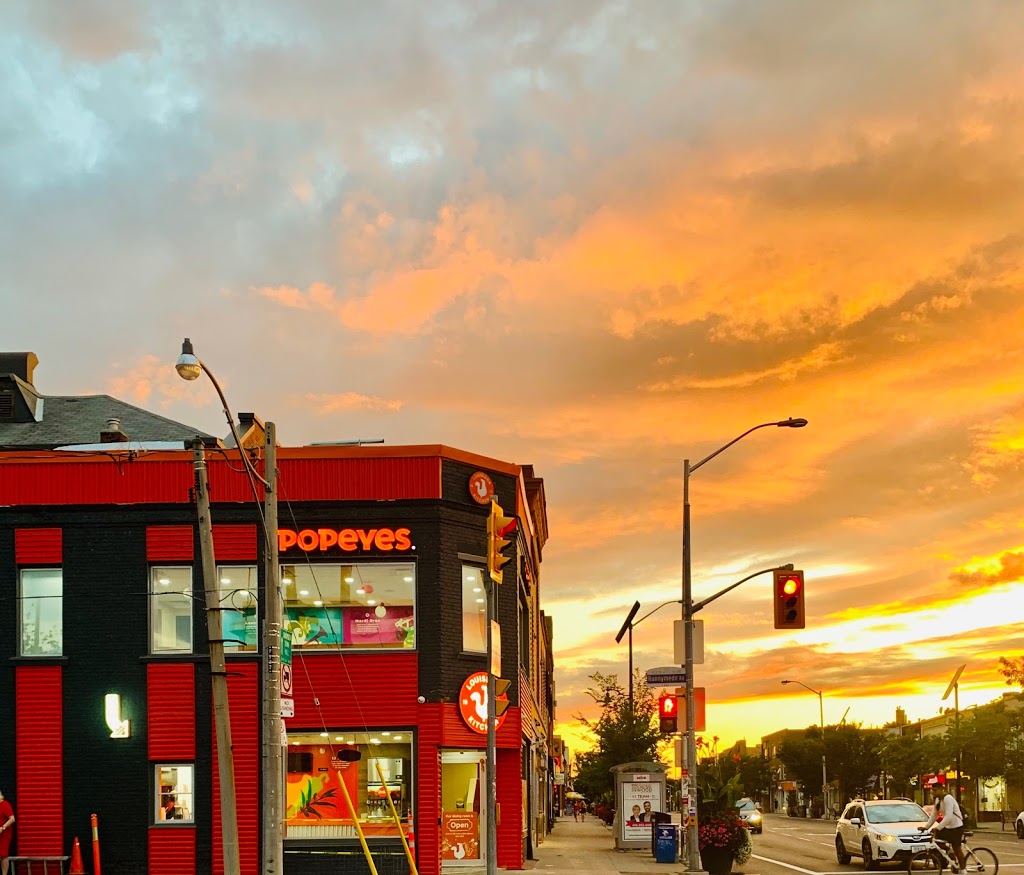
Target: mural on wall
point(313, 792)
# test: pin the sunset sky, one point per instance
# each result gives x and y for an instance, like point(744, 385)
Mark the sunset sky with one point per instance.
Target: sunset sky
point(596, 237)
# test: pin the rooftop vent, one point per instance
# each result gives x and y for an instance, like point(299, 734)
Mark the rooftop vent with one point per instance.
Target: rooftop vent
point(112, 434)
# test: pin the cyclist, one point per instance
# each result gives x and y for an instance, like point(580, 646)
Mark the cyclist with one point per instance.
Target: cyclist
point(951, 828)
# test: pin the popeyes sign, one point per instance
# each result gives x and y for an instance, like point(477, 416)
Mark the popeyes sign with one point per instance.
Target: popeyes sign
point(349, 540)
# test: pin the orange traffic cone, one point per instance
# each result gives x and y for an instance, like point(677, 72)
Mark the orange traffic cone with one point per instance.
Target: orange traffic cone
point(76, 861)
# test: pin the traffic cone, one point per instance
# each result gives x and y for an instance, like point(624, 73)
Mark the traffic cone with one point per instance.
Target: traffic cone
point(76, 860)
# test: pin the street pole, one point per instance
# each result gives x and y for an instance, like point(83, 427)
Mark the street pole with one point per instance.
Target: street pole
point(490, 769)
point(218, 670)
point(273, 771)
point(628, 625)
point(824, 773)
point(692, 851)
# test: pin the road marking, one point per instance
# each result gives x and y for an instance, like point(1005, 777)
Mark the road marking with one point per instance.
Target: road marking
point(794, 868)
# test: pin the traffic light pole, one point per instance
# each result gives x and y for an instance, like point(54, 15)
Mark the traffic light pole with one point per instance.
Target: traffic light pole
point(692, 851)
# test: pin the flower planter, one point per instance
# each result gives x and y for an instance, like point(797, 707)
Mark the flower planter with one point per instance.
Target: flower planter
point(717, 861)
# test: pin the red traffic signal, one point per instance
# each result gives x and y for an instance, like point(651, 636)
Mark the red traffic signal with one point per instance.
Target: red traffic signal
point(668, 713)
point(788, 595)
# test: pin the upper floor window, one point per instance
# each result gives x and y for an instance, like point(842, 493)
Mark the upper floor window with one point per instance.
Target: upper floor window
point(170, 610)
point(474, 610)
point(41, 593)
point(333, 606)
point(238, 588)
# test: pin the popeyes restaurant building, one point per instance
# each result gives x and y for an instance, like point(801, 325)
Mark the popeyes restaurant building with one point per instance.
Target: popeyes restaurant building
point(383, 562)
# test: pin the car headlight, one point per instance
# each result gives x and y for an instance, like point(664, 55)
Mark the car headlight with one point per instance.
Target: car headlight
point(755, 816)
point(881, 837)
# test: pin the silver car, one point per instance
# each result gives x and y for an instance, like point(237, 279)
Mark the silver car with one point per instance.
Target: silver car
point(880, 831)
point(750, 814)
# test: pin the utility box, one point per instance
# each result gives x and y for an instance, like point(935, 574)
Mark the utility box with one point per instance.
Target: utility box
point(639, 796)
point(666, 843)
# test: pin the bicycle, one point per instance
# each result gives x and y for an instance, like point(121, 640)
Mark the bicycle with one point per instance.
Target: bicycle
point(940, 855)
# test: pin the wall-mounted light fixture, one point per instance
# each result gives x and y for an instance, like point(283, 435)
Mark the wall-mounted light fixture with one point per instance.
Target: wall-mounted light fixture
point(118, 728)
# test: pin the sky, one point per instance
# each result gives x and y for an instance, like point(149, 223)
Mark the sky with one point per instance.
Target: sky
point(595, 237)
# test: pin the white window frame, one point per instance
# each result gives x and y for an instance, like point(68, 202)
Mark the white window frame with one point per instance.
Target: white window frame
point(25, 601)
point(184, 797)
point(155, 591)
point(469, 608)
point(236, 601)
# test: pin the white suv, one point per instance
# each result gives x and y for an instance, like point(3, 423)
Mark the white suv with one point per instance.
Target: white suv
point(880, 830)
point(1019, 825)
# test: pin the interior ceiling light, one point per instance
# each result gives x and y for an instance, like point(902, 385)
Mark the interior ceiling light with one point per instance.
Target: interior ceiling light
point(407, 579)
point(349, 579)
point(371, 601)
point(303, 592)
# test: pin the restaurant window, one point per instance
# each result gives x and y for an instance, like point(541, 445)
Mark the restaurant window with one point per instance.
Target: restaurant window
point(474, 610)
point(171, 610)
point(41, 597)
point(331, 606)
point(524, 634)
point(374, 767)
point(240, 623)
point(173, 793)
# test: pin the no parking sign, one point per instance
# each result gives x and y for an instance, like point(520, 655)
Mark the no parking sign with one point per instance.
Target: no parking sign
point(286, 679)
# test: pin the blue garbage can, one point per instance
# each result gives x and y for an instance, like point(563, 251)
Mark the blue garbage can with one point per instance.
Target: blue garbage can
point(666, 842)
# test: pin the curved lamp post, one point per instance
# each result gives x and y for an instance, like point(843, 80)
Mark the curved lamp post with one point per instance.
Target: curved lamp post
point(629, 624)
point(821, 723)
point(189, 367)
point(693, 853)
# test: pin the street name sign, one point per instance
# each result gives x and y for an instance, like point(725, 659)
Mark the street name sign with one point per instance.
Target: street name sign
point(665, 676)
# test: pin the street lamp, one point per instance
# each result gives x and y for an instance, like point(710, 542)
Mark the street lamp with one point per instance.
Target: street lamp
point(693, 854)
point(821, 723)
point(189, 367)
point(629, 624)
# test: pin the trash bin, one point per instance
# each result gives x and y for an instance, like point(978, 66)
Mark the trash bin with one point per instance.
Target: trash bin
point(656, 818)
point(666, 842)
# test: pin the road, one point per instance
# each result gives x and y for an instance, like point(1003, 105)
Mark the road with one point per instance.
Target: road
point(790, 844)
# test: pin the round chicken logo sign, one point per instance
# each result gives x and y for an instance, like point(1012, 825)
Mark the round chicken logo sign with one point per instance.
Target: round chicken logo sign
point(473, 703)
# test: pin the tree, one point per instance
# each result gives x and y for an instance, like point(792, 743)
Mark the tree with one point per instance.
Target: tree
point(802, 759)
point(984, 735)
point(1013, 670)
point(620, 735)
point(901, 757)
point(853, 757)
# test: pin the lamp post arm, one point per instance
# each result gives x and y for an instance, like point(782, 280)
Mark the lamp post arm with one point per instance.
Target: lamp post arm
point(645, 616)
point(696, 465)
point(234, 431)
point(809, 690)
point(732, 586)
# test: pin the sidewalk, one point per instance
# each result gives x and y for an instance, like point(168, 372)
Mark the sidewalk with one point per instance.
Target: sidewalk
point(589, 846)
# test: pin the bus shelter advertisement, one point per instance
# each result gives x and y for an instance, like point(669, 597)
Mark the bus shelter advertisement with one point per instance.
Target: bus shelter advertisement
point(639, 799)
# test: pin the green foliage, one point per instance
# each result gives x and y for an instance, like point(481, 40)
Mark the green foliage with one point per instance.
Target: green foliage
point(718, 789)
point(1012, 668)
point(619, 735)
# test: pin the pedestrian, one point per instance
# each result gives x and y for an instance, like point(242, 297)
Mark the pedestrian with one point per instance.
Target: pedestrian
point(576, 811)
point(583, 810)
point(6, 827)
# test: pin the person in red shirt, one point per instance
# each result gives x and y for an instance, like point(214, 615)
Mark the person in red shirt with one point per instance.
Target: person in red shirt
point(6, 827)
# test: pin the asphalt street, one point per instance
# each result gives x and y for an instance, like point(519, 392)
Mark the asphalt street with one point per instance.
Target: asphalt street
point(787, 845)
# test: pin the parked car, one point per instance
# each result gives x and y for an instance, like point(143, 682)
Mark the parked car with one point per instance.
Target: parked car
point(750, 814)
point(1019, 825)
point(880, 830)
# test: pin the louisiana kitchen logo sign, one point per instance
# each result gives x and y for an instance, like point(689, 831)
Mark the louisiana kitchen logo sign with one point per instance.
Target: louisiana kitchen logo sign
point(385, 540)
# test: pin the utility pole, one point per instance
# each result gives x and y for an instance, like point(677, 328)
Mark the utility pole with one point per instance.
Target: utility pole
point(490, 767)
point(273, 772)
point(218, 672)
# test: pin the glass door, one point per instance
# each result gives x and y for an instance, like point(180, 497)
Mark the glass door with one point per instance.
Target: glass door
point(463, 816)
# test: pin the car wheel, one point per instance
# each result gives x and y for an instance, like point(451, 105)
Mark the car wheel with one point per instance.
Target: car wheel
point(841, 854)
point(759, 830)
point(869, 861)
point(1020, 829)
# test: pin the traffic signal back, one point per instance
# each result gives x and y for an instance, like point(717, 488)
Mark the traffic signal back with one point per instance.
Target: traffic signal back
point(788, 595)
point(668, 714)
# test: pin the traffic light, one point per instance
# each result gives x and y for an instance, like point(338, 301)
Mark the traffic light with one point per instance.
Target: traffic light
point(501, 695)
point(668, 713)
point(498, 526)
point(789, 599)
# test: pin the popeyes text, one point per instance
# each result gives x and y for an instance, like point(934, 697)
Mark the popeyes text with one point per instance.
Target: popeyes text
point(348, 540)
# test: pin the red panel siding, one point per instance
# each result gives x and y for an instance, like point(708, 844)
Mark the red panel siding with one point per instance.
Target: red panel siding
point(349, 688)
point(172, 850)
point(428, 789)
point(510, 800)
point(234, 543)
point(38, 725)
point(169, 543)
point(455, 732)
point(38, 546)
point(171, 710)
point(360, 479)
point(243, 703)
point(168, 479)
